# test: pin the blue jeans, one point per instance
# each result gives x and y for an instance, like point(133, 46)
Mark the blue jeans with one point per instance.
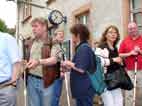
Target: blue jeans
point(57, 91)
point(37, 94)
point(84, 101)
point(8, 96)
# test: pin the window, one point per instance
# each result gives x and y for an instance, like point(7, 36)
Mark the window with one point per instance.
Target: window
point(136, 13)
point(136, 4)
point(82, 15)
point(48, 2)
point(83, 18)
point(27, 10)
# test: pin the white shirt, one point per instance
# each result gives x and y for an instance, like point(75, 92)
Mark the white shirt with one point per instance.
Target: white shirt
point(9, 54)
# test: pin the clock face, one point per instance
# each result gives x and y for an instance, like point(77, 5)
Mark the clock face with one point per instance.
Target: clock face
point(55, 17)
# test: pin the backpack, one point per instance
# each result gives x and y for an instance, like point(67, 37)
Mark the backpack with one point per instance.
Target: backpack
point(97, 77)
point(96, 74)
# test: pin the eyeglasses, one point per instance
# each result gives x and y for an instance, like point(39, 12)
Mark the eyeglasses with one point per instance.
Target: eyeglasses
point(110, 32)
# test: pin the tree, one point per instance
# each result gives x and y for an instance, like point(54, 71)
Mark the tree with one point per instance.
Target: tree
point(11, 31)
point(3, 27)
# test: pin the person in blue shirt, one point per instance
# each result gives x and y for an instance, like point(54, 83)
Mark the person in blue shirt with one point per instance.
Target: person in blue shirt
point(81, 87)
point(10, 64)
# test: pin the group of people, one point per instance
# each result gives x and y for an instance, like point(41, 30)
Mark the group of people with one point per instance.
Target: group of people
point(130, 48)
point(47, 59)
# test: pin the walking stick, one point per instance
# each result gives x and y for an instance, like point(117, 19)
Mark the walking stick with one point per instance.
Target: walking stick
point(25, 89)
point(66, 78)
point(24, 80)
point(23, 75)
point(67, 89)
point(66, 85)
point(135, 81)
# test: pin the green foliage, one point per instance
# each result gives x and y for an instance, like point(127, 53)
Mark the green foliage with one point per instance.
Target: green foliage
point(3, 27)
point(11, 31)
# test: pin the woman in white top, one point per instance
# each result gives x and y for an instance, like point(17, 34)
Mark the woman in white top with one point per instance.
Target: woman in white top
point(107, 50)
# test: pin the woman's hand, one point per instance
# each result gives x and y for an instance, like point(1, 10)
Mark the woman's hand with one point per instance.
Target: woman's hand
point(117, 60)
point(67, 64)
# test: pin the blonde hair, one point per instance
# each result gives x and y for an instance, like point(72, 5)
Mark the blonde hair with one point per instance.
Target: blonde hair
point(40, 20)
point(58, 30)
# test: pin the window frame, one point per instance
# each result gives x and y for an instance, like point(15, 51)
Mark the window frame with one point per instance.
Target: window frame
point(83, 14)
point(27, 10)
point(81, 10)
point(133, 12)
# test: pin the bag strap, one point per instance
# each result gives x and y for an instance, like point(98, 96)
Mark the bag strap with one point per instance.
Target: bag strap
point(93, 59)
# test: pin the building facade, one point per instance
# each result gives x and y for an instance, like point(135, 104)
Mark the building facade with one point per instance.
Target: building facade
point(94, 13)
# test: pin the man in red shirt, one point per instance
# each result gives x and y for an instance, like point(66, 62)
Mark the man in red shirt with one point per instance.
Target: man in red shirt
point(130, 49)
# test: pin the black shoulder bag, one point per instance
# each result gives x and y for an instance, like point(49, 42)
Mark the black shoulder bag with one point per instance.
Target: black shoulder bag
point(118, 79)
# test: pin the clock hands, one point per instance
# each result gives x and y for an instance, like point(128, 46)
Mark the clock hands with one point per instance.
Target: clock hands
point(56, 17)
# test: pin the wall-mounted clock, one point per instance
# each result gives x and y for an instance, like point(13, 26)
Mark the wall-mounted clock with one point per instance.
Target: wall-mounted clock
point(56, 17)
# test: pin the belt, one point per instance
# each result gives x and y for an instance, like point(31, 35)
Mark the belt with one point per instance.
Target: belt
point(4, 82)
point(35, 76)
point(7, 83)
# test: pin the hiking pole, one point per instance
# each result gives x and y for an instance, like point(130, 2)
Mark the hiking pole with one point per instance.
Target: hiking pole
point(135, 81)
point(66, 78)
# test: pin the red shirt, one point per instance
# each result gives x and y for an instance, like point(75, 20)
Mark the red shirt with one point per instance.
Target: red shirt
point(126, 46)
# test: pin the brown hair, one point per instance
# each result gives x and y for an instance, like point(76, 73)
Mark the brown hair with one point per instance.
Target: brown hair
point(40, 20)
point(81, 30)
point(103, 38)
